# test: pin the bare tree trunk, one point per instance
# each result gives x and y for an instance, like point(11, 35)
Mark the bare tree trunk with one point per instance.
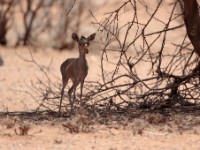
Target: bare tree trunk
point(29, 17)
point(192, 22)
point(5, 15)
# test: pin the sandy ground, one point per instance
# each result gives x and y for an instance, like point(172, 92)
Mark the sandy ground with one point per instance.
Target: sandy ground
point(55, 137)
point(178, 133)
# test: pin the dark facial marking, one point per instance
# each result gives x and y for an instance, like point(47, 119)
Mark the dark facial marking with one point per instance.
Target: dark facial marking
point(84, 41)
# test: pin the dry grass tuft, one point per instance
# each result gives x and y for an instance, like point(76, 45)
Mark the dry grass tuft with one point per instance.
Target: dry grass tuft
point(10, 122)
point(155, 118)
point(57, 141)
point(23, 129)
point(79, 123)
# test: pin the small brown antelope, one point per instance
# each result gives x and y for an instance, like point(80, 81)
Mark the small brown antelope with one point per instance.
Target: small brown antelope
point(75, 69)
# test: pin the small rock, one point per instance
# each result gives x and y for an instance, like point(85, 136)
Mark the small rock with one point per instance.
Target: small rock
point(1, 61)
point(114, 131)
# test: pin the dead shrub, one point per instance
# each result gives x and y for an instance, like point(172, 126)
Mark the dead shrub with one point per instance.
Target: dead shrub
point(155, 118)
point(79, 123)
point(10, 122)
point(23, 129)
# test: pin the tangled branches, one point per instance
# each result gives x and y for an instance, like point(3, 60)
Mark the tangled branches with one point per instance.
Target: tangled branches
point(151, 56)
point(155, 62)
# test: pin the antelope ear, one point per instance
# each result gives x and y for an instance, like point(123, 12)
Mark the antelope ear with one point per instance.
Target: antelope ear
point(92, 37)
point(75, 37)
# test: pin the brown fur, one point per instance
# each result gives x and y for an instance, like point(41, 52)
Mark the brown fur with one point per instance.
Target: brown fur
point(75, 69)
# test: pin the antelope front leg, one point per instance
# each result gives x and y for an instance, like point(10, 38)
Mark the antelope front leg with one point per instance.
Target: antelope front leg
point(65, 80)
point(82, 83)
point(82, 103)
point(73, 88)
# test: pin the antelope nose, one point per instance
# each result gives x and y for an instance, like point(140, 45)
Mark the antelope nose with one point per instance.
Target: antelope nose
point(86, 48)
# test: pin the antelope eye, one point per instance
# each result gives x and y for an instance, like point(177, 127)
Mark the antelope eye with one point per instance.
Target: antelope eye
point(81, 44)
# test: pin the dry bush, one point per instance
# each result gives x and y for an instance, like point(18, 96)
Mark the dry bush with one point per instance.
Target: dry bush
point(79, 123)
point(153, 67)
point(155, 118)
point(170, 76)
point(22, 129)
point(10, 122)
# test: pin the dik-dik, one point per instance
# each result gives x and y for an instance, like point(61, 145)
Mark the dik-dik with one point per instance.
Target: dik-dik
point(76, 69)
